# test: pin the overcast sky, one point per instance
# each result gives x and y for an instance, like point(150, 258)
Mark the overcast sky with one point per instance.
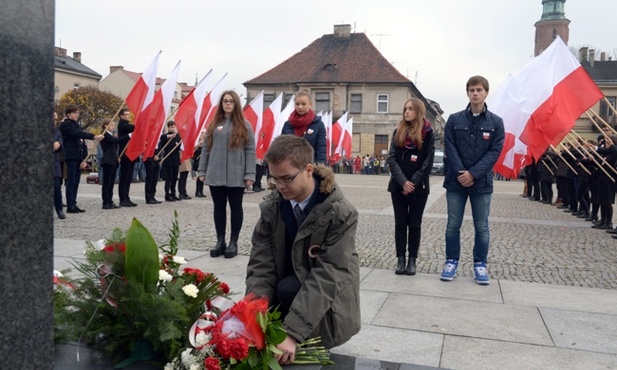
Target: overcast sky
point(437, 44)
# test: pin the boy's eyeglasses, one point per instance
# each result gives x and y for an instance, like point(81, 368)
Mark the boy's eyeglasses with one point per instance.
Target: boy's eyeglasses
point(284, 181)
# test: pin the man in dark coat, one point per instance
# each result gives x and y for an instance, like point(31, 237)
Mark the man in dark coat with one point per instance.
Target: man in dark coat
point(126, 165)
point(75, 152)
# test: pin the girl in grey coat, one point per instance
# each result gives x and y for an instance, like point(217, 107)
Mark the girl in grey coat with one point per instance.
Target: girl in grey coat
point(227, 166)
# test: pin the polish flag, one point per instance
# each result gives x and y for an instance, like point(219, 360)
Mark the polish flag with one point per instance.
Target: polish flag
point(142, 92)
point(254, 113)
point(187, 116)
point(271, 115)
point(540, 105)
point(347, 138)
point(282, 118)
point(337, 134)
point(327, 121)
point(149, 125)
point(210, 104)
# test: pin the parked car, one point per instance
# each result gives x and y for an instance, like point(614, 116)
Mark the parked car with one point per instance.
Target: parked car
point(438, 163)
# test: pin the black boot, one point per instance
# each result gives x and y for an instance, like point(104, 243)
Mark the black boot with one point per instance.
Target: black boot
point(411, 266)
point(220, 246)
point(400, 266)
point(232, 249)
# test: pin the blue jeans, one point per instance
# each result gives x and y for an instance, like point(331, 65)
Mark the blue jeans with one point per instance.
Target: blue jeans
point(480, 209)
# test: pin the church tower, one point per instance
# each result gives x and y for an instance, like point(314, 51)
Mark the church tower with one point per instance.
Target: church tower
point(552, 24)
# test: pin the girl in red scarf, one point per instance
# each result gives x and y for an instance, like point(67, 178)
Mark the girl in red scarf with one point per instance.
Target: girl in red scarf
point(303, 122)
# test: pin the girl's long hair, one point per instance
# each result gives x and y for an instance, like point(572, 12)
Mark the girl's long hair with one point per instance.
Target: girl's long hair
point(239, 133)
point(412, 129)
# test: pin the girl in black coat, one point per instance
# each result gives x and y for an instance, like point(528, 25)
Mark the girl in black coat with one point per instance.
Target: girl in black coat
point(410, 159)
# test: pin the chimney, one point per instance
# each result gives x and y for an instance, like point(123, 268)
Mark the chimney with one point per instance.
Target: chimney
point(342, 31)
point(583, 54)
point(592, 56)
point(77, 56)
point(60, 52)
point(112, 69)
point(603, 56)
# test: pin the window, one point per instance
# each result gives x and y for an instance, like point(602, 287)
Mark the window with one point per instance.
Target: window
point(322, 101)
point(605, 110)
point(76, 85)
point(382, 103)
point(268, 99)
point(381, 139)
point(286, 97)
point(355, 103)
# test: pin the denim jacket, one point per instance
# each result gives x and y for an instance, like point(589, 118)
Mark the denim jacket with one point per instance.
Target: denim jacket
point(472, 143)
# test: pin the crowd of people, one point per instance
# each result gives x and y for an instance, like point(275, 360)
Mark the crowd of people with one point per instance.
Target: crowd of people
point(303, 255)
point(584, 174)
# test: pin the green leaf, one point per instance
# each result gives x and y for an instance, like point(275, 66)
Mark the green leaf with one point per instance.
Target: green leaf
point(142, 257)
point(274, 365)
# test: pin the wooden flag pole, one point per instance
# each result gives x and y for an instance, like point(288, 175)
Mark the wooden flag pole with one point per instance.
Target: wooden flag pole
point(574, 157)
point(548, 168)
point(600, 118)
point(551, 159)
point(610, 106)
point(563, 159)
point(590, 154)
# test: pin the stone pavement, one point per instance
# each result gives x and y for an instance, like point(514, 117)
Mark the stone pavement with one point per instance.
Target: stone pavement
point(552, 302)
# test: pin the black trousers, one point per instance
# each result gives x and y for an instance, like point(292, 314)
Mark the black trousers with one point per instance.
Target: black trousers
point(152, 178)
point(126, 176)
point(107, 189)
point(582, 195)
point(182, 183)
point(571, 189)
point(199, 187)
point(408, 211)
point(220, 196)
point(286, 291)
point(547, 191)
point(171, 178)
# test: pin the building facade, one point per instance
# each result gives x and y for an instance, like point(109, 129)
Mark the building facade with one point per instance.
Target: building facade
point(70, 73)
point(344, 72)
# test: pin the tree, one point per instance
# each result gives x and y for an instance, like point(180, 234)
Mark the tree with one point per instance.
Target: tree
point(94, 105)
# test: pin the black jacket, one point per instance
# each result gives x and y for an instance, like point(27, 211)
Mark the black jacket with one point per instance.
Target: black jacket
point(411, 165)
point(72, 137)
point(171, 151)
point(110, 146)
point(124, 128)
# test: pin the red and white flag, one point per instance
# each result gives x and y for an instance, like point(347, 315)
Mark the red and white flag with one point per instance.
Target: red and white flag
point(282, 118)
point(142, 92)
point(337, 135)
point(347, 136)
point(209, 106)
point(327, 121)
point(540, 104)
point(254, 113)
point(187, 116)
point(149, 125)
point(271, 114)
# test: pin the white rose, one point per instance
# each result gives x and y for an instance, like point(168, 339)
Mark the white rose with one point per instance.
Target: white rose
point(179, 260)
point(164, 276)
point(195, 367)
point(190, 290)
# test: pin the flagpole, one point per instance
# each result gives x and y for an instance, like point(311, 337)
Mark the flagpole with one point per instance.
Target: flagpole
point(601, 119)
point(563, 159)
point(586, 155)
point(576, 159)
point(547, 167)
point(604, 162)
point(551, 159)
point(610, 106)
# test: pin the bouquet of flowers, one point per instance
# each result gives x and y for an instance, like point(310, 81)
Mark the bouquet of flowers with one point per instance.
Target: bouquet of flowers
point(133, 298)
point(244, 336)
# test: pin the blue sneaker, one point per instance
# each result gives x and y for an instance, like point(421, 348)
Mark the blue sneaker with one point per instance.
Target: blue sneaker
point(449, 270)
point(480, 273)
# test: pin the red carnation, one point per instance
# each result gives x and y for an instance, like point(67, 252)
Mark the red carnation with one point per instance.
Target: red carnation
point(224, 288)
point(221, 346)
point(199, 275)
point(212, 363)
point(238, 349)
